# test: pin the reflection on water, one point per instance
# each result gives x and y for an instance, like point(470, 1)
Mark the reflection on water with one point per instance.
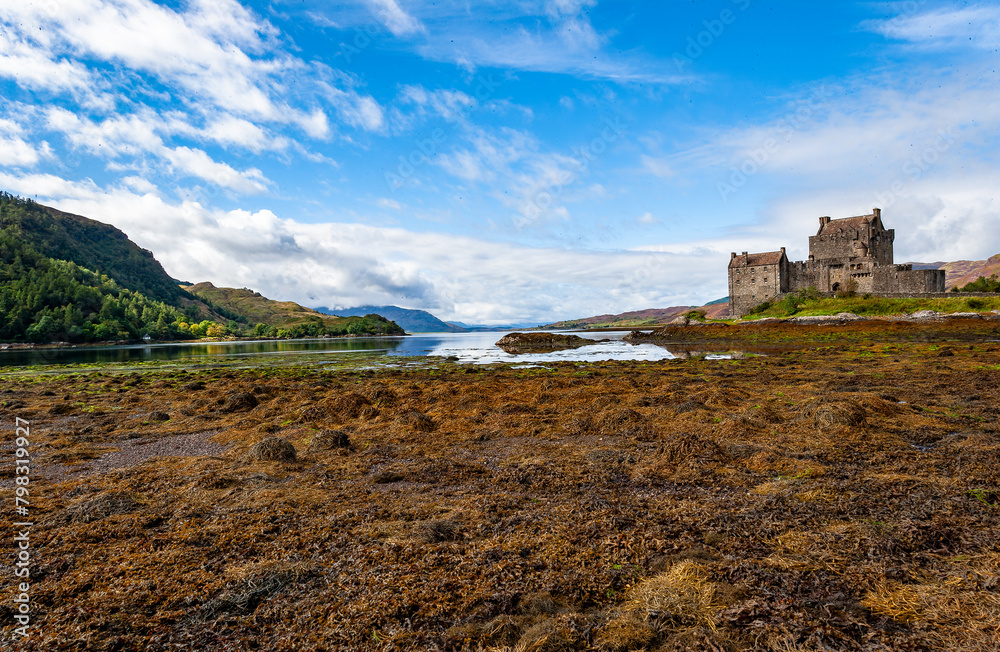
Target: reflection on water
point(476, 348)
point(187, 351)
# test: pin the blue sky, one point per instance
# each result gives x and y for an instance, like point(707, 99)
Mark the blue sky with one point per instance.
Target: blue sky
point(498, 162)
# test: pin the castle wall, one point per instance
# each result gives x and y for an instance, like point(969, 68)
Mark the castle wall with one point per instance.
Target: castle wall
point(751, 286)
point(802, 275)
point(905, 279)
point(829, 247)
point(853, 244)
point(881, 248)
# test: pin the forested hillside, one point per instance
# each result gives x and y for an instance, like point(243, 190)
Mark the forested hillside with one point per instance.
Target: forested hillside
point(66, 278)
point(90, 244)
point(43, 299)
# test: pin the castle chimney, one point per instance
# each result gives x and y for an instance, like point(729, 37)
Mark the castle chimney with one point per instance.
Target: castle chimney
point(823, 221)
point(734, 256)
point(877, 212)
point(782, 250)
point(746, 258)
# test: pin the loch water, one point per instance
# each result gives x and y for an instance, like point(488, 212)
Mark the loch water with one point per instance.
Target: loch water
point(474, 347)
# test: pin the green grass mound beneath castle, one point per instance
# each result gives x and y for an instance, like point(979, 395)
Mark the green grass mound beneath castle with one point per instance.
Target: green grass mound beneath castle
point(801, 304)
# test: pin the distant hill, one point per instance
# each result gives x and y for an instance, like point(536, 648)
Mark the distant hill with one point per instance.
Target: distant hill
point(648, 317)
point(412, 321)
point(258, 309)
point(962, 272)
point(497, 328)
point(936, 265)
point(716, 309)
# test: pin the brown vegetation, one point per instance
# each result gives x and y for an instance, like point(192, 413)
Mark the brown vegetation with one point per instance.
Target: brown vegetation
point(842, 497)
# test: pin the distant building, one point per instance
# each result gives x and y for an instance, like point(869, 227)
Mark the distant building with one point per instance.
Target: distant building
point(857, 249)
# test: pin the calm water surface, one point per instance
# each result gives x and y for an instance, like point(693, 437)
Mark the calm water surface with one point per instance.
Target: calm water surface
point(467, 347)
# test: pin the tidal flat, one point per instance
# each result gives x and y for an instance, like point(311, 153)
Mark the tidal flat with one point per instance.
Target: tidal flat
point(835, 496)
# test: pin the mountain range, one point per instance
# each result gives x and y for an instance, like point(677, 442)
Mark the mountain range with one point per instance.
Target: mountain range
point(413, 321)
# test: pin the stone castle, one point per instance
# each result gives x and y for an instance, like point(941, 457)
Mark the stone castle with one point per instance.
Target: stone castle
point(848, 253)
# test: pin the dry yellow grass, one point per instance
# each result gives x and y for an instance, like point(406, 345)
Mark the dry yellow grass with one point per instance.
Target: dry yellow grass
point(681, 597)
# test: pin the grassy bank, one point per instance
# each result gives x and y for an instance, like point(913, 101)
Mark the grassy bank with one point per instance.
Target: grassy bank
point(806, 304)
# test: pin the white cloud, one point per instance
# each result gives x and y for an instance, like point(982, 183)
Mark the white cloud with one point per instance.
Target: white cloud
point(229, 130)
point(647, 219)
point(34, 68)
point(913, 132)
point(659, 167)
point(140, 185)
point(220, 61)
point(353, 264)
point(393, 17)
point(449, 104)
point(112, 137)
point(203, 50)
point(489, 154)
point(572, 25)
point(315, 124)
point(197, 163)
point(355, 109)
point(15, 151)
point(536, 35)
point(385, 202)
point(544, 50)
point(976, 26)
point(136, 134)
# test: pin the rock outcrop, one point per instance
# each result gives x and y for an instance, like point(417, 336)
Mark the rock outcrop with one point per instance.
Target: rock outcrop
point(535, 342)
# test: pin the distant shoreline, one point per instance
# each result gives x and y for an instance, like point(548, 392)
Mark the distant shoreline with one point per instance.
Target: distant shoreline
point(12, 346)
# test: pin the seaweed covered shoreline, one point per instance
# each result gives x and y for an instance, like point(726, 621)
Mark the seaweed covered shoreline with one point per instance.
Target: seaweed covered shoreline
point(843, 496)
